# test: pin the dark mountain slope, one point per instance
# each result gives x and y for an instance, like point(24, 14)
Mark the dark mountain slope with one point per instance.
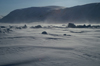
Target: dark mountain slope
point(32, 14)
point(84, 13)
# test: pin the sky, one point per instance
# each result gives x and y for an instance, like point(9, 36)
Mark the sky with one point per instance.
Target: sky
point(6, 6)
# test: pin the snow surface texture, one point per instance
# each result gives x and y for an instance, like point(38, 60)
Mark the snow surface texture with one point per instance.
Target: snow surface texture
point(61, 46)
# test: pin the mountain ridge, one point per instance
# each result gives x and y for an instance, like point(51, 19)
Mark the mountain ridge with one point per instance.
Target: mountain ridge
point(81, 13)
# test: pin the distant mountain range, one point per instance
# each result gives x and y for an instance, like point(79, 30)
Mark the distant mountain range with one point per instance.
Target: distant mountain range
point(55, 14)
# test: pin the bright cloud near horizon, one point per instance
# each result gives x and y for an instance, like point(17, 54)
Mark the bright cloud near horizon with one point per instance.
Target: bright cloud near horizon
point(7, 6)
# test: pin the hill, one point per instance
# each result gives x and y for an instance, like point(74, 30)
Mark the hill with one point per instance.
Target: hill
point(82, 13)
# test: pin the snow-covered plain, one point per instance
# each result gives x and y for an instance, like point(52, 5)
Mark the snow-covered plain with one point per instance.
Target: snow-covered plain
point(28, 47)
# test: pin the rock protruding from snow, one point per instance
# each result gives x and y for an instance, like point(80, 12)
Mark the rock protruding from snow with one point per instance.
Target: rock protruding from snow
point(25, 26)
point(44, 32)
point(64, 34)
point(6, 30)
point(38, 26)
point(2, 27)
point(71, 25)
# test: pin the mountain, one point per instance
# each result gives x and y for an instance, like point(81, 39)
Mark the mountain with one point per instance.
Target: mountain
point(1, 16)
point(32, 14)
point(82, 13)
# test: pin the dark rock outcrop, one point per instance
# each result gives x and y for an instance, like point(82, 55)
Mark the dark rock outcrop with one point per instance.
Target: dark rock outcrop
point(2, 27)
point(44, 32)
point(71, 25)
point(38, 26)
point(5, 30)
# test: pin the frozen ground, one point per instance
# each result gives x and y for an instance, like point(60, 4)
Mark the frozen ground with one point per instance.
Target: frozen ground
point(28, 47)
